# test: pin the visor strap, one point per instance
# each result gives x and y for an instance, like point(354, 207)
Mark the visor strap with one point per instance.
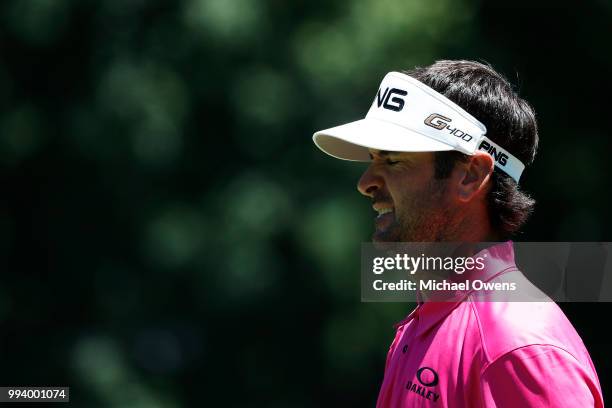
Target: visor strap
point(503, 159)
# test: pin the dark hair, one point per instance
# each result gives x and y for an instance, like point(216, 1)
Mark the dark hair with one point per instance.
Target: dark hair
point(510, 122)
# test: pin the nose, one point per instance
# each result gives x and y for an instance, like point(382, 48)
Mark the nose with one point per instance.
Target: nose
point(369, 182)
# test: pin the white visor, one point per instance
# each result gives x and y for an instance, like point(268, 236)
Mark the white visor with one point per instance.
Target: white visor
point(408, 116)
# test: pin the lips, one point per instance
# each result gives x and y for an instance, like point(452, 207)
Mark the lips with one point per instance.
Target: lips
point(386, 216)
point(382, 209)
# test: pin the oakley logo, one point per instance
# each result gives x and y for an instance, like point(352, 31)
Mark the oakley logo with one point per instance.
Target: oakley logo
point(499, 156)
point(428, 378)
point(396, 104)
point(440, 122)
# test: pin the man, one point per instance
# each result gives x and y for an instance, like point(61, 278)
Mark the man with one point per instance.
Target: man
point(447, 145)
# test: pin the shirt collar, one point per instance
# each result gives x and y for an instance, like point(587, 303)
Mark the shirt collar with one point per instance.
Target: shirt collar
point(498, 259)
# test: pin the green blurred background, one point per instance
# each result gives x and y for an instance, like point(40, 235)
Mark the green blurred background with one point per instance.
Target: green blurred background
point(171, 237)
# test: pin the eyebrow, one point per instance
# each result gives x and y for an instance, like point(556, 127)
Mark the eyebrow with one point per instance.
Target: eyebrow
point(383, 153)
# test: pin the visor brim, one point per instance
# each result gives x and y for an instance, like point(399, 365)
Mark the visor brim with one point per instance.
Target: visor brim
point(351, 141)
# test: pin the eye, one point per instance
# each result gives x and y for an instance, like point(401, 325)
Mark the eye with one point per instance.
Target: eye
point(391, 162)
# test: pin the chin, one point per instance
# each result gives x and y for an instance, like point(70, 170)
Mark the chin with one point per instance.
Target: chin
point(385, 236)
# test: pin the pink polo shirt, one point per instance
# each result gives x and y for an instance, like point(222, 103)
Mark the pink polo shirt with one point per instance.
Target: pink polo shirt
point(489, 354)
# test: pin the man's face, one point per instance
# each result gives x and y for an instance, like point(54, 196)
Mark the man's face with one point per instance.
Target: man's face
point(411, 203)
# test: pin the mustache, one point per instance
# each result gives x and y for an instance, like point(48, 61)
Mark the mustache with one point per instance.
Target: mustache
point(381, 198)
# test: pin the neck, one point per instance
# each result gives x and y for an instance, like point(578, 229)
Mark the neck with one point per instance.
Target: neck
point(473, 225)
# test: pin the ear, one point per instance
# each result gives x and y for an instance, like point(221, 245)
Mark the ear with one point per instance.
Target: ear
point(471, 178)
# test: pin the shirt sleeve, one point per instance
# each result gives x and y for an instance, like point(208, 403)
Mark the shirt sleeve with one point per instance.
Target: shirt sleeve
point(539, 376)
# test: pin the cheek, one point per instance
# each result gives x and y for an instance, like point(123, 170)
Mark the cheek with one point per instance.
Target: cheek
point(408, 185)
point(412, 199)
point(403, 198)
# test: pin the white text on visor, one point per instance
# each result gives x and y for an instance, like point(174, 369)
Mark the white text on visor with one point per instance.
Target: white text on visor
point(408, 116)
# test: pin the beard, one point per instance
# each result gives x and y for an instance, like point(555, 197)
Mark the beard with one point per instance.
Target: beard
point(422, 217)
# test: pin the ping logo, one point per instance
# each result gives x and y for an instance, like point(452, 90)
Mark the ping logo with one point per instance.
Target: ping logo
point(427, 377)
point(396, 104)
point(437, 121)
point(499, 156)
